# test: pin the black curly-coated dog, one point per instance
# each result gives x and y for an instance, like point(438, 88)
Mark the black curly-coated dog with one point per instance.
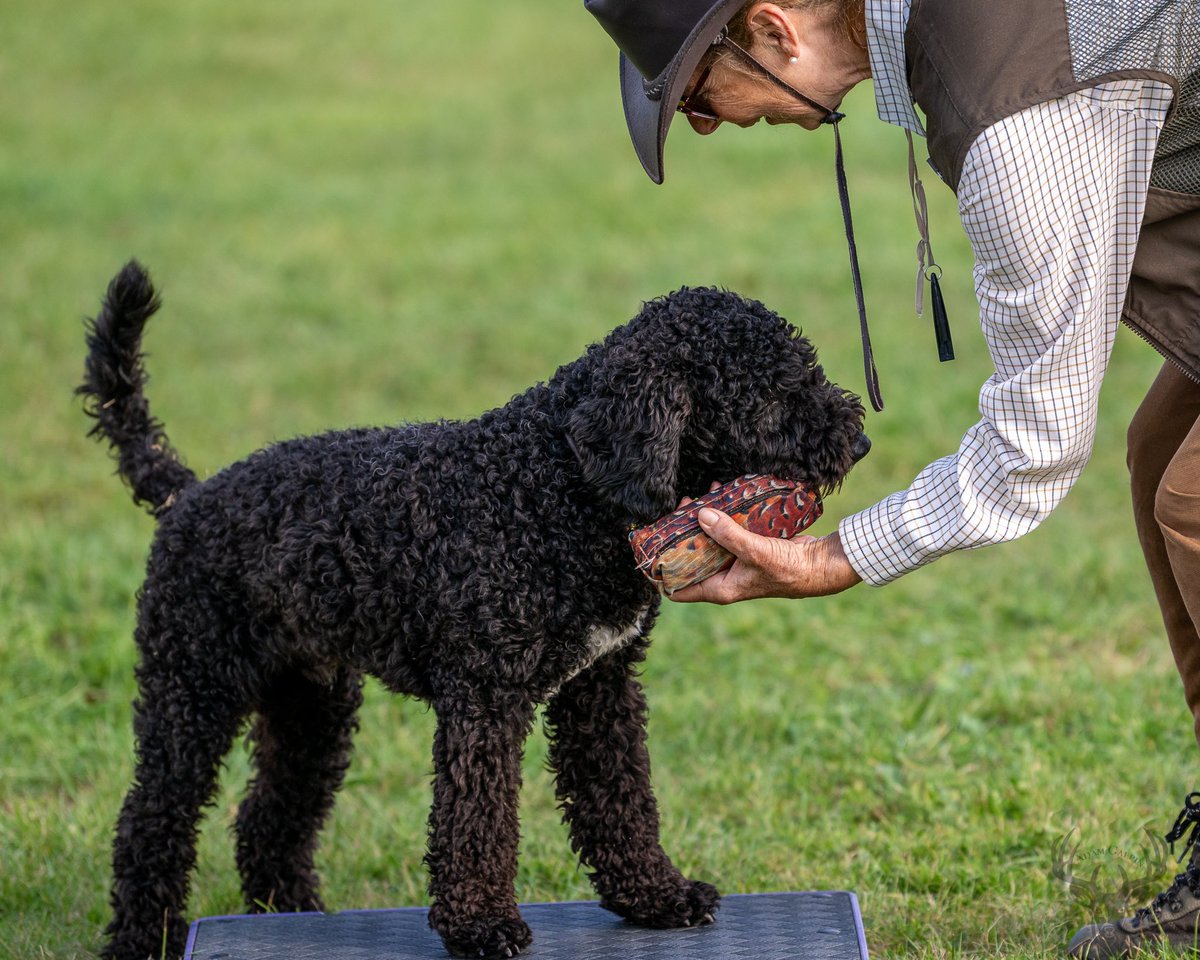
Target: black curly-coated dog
point(480, 565)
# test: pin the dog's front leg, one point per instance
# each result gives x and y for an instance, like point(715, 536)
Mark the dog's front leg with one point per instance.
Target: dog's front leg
point(474, 828)
point(597, 727)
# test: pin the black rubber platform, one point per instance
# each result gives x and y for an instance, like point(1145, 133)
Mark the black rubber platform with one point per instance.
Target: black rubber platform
point(760, 926)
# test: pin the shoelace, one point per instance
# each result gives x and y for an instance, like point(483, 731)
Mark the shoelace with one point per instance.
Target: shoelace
point(1190, 814)
point(1189, 817)
point(1169, 898)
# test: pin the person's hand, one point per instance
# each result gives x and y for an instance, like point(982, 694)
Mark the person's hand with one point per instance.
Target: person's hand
point(769, 567)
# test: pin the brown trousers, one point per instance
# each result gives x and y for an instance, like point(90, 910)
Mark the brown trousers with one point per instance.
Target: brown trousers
point(1164, 471)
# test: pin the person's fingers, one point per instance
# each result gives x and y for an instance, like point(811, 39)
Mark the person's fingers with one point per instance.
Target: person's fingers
point(764, 568)
point(803, 566)
point(715, 589)
point(728, 533)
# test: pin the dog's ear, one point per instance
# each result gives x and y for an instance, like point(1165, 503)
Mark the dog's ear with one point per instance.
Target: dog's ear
point(626, 434)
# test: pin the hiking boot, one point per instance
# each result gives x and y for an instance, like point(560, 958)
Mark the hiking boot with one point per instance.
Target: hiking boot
point(1172, 917)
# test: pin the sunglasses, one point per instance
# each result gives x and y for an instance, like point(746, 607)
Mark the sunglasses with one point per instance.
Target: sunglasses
point(695, 105)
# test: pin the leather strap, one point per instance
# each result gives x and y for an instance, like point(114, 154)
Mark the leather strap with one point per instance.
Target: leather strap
point(869, 371)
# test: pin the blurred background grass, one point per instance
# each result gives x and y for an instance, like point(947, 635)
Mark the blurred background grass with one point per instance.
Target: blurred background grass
point(390, 212)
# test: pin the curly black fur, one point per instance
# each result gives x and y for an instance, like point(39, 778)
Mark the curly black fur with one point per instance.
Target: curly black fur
point(114, 378)
point(480, 565)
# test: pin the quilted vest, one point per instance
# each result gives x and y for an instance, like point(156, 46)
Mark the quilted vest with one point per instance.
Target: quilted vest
point(972, 63)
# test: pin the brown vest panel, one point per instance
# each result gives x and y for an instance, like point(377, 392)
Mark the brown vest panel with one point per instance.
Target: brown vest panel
point(1163, 301)
point(974, 63)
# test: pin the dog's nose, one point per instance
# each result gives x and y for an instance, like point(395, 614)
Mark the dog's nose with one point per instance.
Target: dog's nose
point(862, 446)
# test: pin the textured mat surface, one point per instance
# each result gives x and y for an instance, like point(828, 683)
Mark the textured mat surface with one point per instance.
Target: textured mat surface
point(760, 926)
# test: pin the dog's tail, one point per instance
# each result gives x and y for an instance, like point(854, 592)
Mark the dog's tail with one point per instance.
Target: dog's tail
point(113, 379)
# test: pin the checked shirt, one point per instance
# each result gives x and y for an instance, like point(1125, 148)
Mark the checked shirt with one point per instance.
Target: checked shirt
point(1051, 199)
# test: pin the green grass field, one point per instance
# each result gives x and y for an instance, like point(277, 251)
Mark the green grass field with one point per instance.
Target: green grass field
point(378, 213)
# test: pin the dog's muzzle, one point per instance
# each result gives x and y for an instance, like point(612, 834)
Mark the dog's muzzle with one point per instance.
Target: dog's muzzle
point(862, 446)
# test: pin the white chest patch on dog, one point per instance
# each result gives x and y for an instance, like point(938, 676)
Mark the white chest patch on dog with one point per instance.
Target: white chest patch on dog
point(604, 640)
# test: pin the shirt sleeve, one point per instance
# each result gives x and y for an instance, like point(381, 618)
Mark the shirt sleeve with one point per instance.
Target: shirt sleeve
point(1051, 199)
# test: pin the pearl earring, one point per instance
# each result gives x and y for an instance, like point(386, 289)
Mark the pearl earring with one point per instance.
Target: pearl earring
point(794, 60)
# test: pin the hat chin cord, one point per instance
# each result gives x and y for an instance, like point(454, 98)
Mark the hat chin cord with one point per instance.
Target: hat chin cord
point(869, 371)
point(832, 117)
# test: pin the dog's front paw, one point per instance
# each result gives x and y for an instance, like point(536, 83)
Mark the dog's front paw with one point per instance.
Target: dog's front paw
point(483, 938)
point(684, 903)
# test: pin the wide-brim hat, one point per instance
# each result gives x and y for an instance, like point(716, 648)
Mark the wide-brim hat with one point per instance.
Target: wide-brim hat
point(661, 43)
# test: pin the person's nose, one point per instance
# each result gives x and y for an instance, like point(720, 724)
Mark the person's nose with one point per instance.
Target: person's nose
point(702, 126)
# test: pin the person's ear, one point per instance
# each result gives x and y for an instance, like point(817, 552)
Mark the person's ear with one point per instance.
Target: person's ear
point(770, 24)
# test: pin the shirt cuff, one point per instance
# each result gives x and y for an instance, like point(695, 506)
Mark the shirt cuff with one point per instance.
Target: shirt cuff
point(871, 545)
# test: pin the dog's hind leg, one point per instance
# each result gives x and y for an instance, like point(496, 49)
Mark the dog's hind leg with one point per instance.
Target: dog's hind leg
point(185, 720)
point(473, 826)
point(597, 729)
point(302, 740)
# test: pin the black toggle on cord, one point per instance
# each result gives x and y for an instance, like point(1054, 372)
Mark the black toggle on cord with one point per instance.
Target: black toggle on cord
point(932, 272)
